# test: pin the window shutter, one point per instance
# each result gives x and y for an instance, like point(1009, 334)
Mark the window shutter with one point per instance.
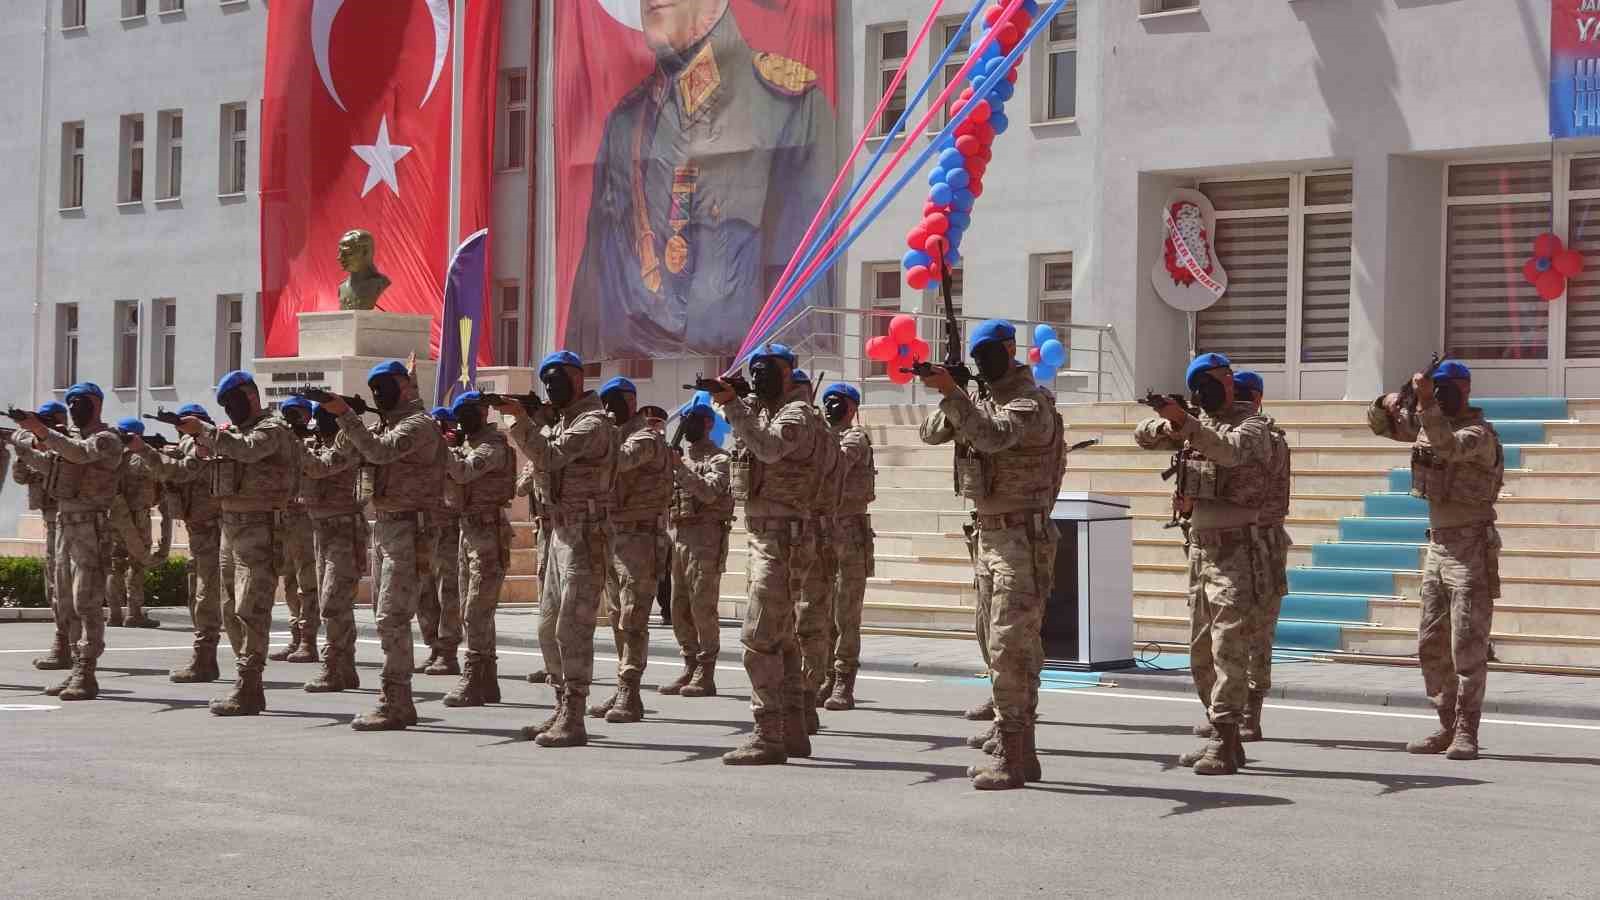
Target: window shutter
point(1491, 311)
point(1250, 322)
point(1325, 276)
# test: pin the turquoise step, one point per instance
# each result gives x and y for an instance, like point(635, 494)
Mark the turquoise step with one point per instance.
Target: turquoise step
point(1360, 582)
point(1326, 607)
point(1410, 530)
point(1394, 506)
point(1367, 556)
point(1308, 636)
point(1518, 433)
point(1536, 408)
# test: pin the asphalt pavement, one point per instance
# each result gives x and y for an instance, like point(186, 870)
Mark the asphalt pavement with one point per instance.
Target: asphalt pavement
point(143, 793)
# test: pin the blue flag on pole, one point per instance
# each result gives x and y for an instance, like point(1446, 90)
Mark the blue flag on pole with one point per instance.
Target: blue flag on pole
point(461, 325)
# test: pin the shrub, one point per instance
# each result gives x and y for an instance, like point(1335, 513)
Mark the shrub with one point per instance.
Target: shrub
point(22, 582)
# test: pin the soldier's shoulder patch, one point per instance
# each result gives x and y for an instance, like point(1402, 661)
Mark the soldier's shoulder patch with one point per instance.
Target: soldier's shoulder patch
point(785, 75)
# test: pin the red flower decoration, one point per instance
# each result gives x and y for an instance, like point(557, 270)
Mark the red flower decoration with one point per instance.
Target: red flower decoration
point(1552, 264)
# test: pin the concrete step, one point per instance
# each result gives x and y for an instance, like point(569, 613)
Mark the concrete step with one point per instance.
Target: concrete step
point(1514, 561)
point(1509, 618)
point(1522, 484)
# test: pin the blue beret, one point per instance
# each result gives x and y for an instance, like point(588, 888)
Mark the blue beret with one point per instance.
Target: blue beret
point(1452, 368)
point(774, 351)
point(992, 330)
point(296, 403)
point(387, 367)
point(800, 377)
point(463, 400)
point(236, 378)
point(1205, 362)
point(442, 412)
point(194, 409)
point(1248, 381)
point(619, 384)
point(561, 358)
point(130, 425)
point(843, 390)
point(85, 389)
point(52, 407)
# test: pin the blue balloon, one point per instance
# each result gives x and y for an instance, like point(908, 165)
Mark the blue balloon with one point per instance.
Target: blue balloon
point(957, 179)
point(992, 66)
point(1042, 333)
point(960, 220)
point(952, 159)
point(915, 258)
point(941, 194)
point(963, 200)
point(999, 122)
point(1054, 353)
point(1032, 6)
point(952, 257)
point(997, 107)
point(1003, 90)
point(954, 235)
point(1043, 372)
point(936, 175)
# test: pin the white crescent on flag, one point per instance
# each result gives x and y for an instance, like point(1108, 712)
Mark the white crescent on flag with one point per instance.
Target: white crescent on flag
point(323, 13)
point(624, 11)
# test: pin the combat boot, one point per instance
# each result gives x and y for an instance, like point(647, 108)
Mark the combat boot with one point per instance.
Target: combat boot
point(1006, 771)
point(489, 681)
point(55, 690)
point(529, 732)
point(825, 690)
point(408, 709)
point(1205, 730)
point(347, 669)
point(796, 740)
point(433, 657)
point(444, 664)
point(138, 619)
point(629, 706)
point(844, 693)
point(82, 685)
point(682, 681)
point(983, 738)
point(330, 680)
point(539, 677)
point(1465, 744)
point(467, 691)
point(765, 746)
point(246, 699)
point(114, 619)
point(1251, 729)
point(1224, 755)
point(983, 712)
point(1031, 771)
point(202, 666)
point(390, 714)
point(1440, 740)
point(60, 656)
point(283, 654)
point(307, 651)
point(568, 730)
point(704, 683)
point(599, 710)
point(809, 706)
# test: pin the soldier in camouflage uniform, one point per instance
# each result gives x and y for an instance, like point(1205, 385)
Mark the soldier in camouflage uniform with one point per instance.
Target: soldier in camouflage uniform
point(814, 607)
point(439, 598)
point(484, 468)
point(1226, 473)
point(1009, 462)
point(641, 493)
point(775, 469)
point(406, 456)
point(699, 520)
point(128, 545)
point(854, 541)
point(83, 480)
point(528, 486)
point(330, 473)
point(254, 475)
point(1458, 466)
point(188, 476)
point(571, 443)
point(299, 554)
point(33, 471)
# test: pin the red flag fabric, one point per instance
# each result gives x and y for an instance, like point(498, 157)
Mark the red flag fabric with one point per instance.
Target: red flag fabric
point(356, 116)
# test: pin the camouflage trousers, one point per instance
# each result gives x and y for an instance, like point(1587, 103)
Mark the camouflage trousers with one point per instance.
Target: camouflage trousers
point(814, 608)
point(699, 557)
point(632, 575)
point(485, 553)
point(68, 629)
point(781, 555)
point(252, 542)
point(1460, 582)
point(572, 564)
point(299, 571)
point(1016, 561)
point(1230, 589)
point(855, 550)
point(439, 595)
point(228, 573)
point(1258, 670)
point(129, 553)
point(340, 543)
point(981, 587)
point(205, 572)
point(404, 556)
point(81, 578)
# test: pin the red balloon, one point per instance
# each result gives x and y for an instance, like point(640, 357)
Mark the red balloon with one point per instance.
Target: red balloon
point(993, 13)
point(976, 187)
point(976, 166)
point(1011, 76)
point(919, 350)
point(917, 278)
point(965, 128)
point(917, 238)
point(930, 208)
point(875, 348)
point(1021, 20)
point(1006, 36)
point(966, 94)
point(937, 223)
point(935, 271)
point(1569, 263)
point(968, 145)
point(981, 111)
point(1530, 271)
point(899, 377)
point(1546, 245)
point(936, 245)
point(1033, 354)
point(987, 155)
point(903, 329)
point(984, 132)
point(1551, 284)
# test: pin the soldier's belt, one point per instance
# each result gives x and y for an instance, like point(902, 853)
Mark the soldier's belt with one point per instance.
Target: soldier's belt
point(1218, 535)
point(76, 518)
point(259, 517)
point(328, 516)
point(1001, 521)
point(403, 515)
point(862, 519)
point(483, 516)
point(1460, 531)
point(638, 526)
point(768, 525)
point(704, 519)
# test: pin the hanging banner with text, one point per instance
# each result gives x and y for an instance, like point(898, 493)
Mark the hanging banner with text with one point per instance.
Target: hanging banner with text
point(1574, 68)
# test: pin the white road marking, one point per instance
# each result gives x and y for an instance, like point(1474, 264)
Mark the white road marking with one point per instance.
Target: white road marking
point(26, 707)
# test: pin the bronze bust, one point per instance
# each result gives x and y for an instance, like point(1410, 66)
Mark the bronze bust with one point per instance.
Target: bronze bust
point(365, 284)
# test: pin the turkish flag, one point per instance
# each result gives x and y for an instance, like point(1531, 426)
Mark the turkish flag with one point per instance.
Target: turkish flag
point(356, 115)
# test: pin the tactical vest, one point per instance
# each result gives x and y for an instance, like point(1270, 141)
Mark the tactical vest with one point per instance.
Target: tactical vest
point(686, 507)
point(85, 483)
point(1029, 473)
point(192, 501)
point(273, 479)
point(335, 491)
point(38, 497)
point(644, 492)
point(830, 468)
point(1201, 479)
point(494, 490)
point(584, 484)
point(1457, 482)
point(138, 483)
point(406, 484)
point(861, 482)
point(792, 482)
point(1279, 477)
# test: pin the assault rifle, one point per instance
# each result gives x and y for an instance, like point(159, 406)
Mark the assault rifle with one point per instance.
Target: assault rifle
point(321, 395)
point(953, 358)
point(157, 441)
point(164, 416)
point(741, 387)
point(1408, 394)
point(20, 416)
point(530, 401)
point(1082, 445)
point(1159, 402)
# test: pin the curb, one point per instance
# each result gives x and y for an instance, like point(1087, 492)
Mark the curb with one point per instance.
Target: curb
point(26, 614)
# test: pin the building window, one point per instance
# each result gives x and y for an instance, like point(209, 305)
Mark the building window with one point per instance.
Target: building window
point(888, 47)
point(883, 299)
point(235, 147)
point(1052, 275)
point(1148, 7)
point(72, 13)
point(508, 325)
point(638, 369)
point(164, 342)
point(66, 345)
point(230, 315)
point(72, 165)
point(514, 120)
point(1493, 213)
point(1061, 93)
point(933, 304)
point(131, 172)
point(133, 9)
point(1326, 244)
point(1583, 292)
point(949, 34)
point(171, 6)
point(169, 140)
point(126, 351)
point(592, 371)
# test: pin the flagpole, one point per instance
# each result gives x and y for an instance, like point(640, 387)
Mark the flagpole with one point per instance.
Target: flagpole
point(457, 48)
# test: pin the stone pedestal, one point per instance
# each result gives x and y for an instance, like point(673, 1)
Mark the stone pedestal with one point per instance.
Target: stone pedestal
point(337, 349)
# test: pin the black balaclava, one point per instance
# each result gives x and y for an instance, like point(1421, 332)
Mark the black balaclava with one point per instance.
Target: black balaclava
point(56, 423)
point(1449, 397)
point(696, 427)
point(298, 420)
point(616, 402)
point(557, 386)
point(236, 403)
point(469, 418)
point(1210, 394)
point(385, 392)
point(766, 376)
point(327, 424)
point(82, 411)
point(835, 408)
point(992, 359)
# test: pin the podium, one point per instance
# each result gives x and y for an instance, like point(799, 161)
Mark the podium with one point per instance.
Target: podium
point(1088, 617)
point(338, 348)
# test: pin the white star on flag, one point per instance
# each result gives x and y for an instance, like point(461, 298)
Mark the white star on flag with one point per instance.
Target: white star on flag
point(380, 157)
